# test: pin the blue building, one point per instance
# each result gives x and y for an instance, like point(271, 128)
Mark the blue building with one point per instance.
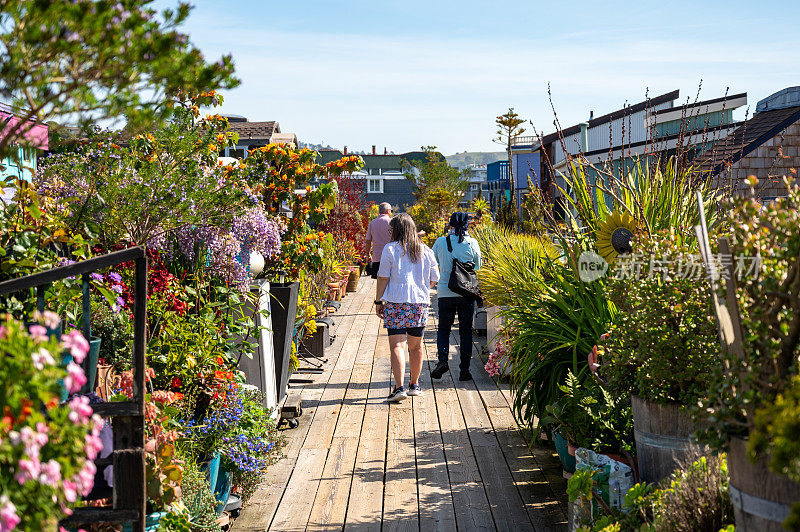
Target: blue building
point(496, 183)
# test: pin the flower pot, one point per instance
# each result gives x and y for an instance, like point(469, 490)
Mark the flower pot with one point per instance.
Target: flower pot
point(663, 438)
point(352, 280)
point(283, 302)
point(210, 466)
point(761, 499)
point(90, 364)
point(222, 489)
point(567, 459)
point(150, 522)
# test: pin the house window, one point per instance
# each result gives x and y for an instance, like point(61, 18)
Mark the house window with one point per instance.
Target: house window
point(474, 187)
point(238, 153)
point(375, 186)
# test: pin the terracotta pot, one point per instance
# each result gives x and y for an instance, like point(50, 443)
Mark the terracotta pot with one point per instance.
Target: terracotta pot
point(571, 448)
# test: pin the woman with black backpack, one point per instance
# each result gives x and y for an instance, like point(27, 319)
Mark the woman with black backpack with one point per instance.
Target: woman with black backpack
point(455, 250)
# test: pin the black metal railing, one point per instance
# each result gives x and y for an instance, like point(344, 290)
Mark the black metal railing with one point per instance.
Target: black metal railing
point(128, 457)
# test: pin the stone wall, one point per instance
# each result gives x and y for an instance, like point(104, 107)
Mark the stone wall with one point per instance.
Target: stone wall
point(777, 157)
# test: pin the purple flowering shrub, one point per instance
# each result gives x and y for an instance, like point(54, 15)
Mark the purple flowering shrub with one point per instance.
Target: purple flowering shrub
point(46, 447)
point(162, 181)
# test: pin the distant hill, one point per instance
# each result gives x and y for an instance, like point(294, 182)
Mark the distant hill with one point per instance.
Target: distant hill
point(464, 159)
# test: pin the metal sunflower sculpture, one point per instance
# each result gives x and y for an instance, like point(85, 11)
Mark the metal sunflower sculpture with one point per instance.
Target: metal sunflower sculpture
point(614, 235)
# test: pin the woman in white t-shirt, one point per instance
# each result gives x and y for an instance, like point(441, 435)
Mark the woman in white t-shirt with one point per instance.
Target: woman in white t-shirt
point(406, 275)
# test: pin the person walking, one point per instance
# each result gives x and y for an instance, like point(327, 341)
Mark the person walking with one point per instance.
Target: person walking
point(464, 248)
point(378, 235)
point(406, 275)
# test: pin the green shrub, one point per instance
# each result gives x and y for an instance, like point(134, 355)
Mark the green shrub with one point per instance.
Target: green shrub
point(590, 417)
point(694, 499)
point(116, 332)
point(663, 345)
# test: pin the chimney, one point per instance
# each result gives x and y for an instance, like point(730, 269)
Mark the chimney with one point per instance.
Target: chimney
point(584, 137)
point(373, 150)
point(591, 115)
point(345, 150)
point(385, 152)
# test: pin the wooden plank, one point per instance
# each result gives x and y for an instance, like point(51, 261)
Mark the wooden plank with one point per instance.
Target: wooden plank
point(330, 505)
point(507, 508)
point(467, 490)
point(543, 506)
point(400, 507)
point(365, 507)
point(298, 497)
point(262, 506)
point(436, 510)
point(320, 435)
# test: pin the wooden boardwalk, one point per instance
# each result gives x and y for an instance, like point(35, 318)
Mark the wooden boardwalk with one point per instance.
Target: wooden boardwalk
point(450, 459)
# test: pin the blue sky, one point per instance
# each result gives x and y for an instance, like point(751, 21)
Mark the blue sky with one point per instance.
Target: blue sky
point(403, 74)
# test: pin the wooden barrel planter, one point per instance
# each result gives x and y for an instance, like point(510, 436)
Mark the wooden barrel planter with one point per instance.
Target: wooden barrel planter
point(663, 438)
point(352, 280)
point(761, 499)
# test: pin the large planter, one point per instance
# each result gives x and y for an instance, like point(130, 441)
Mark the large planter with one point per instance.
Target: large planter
point(562, 448)
point(352, 280)
point(222, 489)
point(210, 466)
point(259, 367)
point(284, 311)
point(663, 438)
point(90, 364)
point(761, 499)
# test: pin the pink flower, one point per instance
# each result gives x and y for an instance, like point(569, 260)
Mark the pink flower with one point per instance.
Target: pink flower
point(42, 358)
point(85, 478)
point(70, 491)
point(80, 410)
point(48, 317)
point(592, 360)
point(27, 470)
point(75, 378)
point(93, 446)
point(3, 331)
point(492, 367)
point(8, 515)
point(32, 441)
point(38, 333)
point(77, 345)
point(50, 473)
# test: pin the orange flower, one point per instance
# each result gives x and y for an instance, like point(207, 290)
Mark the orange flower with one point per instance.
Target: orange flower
point(220, 361)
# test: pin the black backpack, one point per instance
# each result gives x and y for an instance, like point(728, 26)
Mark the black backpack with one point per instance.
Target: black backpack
point(463, 279)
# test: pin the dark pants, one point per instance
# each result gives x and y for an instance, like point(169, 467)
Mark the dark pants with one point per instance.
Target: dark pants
point(448, 308)
point(373, 269)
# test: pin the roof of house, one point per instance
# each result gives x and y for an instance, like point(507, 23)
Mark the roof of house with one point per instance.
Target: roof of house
point(373, 161)
point(704, 102)
point(625, 111)
point(747, 137)
point(254, 130)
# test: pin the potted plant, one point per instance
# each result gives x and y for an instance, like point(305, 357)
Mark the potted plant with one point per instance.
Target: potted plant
point(588, 416)
point(48, 447)
point(753, 402)
point(662, 349)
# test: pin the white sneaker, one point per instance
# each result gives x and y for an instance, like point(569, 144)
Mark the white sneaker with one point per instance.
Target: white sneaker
point(414, 389)
point(399, 394)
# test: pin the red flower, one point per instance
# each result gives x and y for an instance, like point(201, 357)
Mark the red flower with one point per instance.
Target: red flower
point(176, 382)
point(220, 361)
